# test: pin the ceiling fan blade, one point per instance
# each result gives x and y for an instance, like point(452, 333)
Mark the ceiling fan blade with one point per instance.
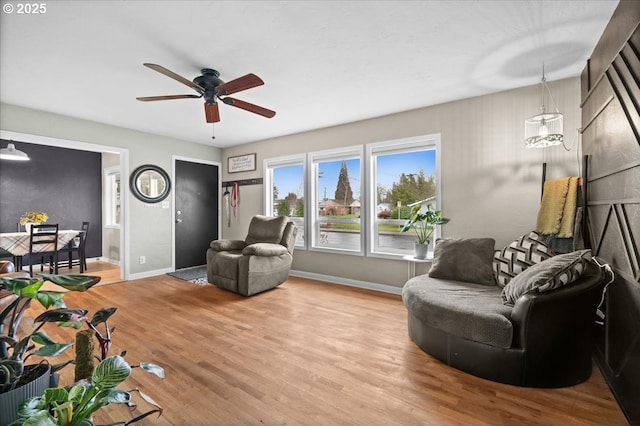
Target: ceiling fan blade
point(173, 75)
point(239, 84)
point(166, 98)
point(211, 112)
point(249, 107)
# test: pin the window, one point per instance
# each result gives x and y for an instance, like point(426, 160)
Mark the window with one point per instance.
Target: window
point(284, 191)
point(403, 174)
point(336, 207)
point(346, 213)
point(112, 197)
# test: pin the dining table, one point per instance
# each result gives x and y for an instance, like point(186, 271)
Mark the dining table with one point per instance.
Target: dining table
point(17, 243)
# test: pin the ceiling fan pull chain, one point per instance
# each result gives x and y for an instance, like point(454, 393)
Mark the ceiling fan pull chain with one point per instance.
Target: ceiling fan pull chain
point(213, 131)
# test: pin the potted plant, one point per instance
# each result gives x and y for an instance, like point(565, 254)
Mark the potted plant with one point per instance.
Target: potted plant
point(17, 375)
point(423, 223)
point(94, 388)
point(33, 218)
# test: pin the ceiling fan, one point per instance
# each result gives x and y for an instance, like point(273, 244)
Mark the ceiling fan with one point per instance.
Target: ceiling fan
point(211, 87)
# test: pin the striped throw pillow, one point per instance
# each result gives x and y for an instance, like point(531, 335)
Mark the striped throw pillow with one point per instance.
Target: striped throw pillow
point(524, 252)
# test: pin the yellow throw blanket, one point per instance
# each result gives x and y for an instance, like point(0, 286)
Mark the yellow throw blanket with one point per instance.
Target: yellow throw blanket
point(558, 207)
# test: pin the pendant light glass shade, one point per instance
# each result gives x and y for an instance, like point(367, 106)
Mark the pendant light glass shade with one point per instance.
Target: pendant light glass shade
point(546, 128)
point(543, 130)
point(11, 153)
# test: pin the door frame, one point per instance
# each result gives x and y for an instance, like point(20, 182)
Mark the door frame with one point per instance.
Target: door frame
point(175, 158)
point(92, 147)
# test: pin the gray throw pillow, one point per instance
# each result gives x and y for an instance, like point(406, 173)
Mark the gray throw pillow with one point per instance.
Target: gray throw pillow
point(547, 275)
point(464, 259)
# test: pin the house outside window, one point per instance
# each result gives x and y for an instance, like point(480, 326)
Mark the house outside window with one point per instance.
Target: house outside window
point(285, 191)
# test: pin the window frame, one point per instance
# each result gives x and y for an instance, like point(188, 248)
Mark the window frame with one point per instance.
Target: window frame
point(290, 160)
point(397, 146)
point(112, 197)
point(367, 189)
point(334, 154)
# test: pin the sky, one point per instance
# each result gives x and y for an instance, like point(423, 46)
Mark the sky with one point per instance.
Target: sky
point(390, 166)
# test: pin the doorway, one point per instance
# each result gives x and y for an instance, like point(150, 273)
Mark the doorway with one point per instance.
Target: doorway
point(197, 210)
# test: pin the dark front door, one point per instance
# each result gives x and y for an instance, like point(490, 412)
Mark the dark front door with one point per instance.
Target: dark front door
point(196, 212)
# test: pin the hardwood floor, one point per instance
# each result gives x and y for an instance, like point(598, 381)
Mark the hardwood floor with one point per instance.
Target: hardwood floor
point(109, 272)
point(305, 353)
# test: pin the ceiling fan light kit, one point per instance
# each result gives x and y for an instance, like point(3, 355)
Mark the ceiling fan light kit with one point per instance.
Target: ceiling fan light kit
point(210, 87)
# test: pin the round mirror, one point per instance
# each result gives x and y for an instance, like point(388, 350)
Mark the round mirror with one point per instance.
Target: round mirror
point(150, 183)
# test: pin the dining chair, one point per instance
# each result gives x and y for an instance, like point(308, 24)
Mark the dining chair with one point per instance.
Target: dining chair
point(78, 247)
point(44, 234)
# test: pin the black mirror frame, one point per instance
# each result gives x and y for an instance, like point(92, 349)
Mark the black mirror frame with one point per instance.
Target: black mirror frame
point(147, 168)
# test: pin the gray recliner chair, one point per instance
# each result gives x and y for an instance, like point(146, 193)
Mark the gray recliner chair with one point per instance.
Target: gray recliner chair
point(259, 263)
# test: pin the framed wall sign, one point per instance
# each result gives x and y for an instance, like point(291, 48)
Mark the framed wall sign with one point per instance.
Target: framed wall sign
point(241, 163)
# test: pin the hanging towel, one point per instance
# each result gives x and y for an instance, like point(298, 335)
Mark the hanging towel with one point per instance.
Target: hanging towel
point(558, 207)
point(569, 211)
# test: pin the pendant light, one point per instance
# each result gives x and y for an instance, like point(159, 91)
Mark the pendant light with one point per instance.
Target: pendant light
point(11, 153)
point(544, 129)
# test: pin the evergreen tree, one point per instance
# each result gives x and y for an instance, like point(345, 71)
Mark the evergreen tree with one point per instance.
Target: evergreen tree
point(411, 188)
point(343, 194)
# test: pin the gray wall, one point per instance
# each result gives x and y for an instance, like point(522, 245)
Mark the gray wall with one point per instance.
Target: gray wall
point(148, 228)
point(35, 186)
point(490, 181)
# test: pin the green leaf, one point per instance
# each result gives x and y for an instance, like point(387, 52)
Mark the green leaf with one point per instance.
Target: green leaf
point(110, 372)
point(60, 315)
point(32, 406)
point(52, 350)
point(58, 395)
point(77, 392)
point(43, 418)
point(41, 338)
point(71, 324)
point(153, 369)
point(24, 287)
point(113, 396)
point(73, 282)
point(102, 315)
point(49, 298)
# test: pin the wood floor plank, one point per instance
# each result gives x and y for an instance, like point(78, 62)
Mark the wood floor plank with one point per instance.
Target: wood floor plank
point(306, 353)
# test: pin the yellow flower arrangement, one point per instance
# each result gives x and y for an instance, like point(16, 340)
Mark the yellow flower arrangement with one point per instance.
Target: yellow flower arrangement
point(33, 217)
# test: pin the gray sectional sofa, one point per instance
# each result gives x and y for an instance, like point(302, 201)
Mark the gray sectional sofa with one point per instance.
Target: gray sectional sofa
point(533, 331)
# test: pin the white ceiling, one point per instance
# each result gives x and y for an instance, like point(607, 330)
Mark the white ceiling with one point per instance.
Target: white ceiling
point(323, 62)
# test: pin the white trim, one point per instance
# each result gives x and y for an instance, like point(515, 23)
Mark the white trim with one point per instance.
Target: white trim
point(397, 146)
point(384, 288)
point(105, 259)
point(330, 155)
point(268, 164)
point(175, 158)
point(88, 146)
point(108, 199)
point(147, 274)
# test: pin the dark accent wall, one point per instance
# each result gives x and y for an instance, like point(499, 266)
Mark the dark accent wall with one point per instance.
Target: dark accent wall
point(64, 183)
point(611, 141)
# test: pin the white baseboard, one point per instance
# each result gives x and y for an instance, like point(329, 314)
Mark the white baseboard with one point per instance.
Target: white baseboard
point(148, 274)
point(384, 288)
point(104, 259)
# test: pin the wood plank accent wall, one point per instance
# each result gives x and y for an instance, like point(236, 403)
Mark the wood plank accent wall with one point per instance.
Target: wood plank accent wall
point(611, 141)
